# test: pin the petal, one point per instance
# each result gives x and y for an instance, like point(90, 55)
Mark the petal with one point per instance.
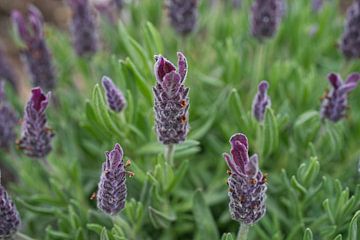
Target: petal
point(335, 80)
point(171, 83)
point(162, 67)
point(353, 78)
point(182, 65)
point(239, 137)
point(232, 165)
point(252, 167)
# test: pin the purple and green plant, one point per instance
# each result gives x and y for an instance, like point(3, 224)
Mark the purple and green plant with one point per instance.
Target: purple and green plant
point(247, 185)
point(83, 28)
point(115, 98)
point(350, 40)
point(35, 52)
point(36, 136)
point(266, 16)
point(335, 102)
point(171, 103)
point(183, 15)
point(111, 195)
point(261, 101)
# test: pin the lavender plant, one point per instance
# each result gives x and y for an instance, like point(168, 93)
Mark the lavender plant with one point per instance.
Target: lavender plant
point(247, 185)
point(36, 54)
point(114, 96)
point(171, 100)
point(350, 41)
point(317, 5)
point(261, 101)
point(183, 15)
point(266, 17)
point(112, 191)
point(35, 135)
point(83, 28)
point(9, 216)
point(7, 120)
point(335, 102)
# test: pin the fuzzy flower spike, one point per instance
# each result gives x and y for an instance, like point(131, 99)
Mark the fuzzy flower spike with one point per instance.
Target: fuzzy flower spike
point(261, 101)
point(171, 100)
point(247, 184)
point(36, 136)
point(112, 191)
point(350, 42)
point(335, 102)
point(183, 15)
point(266, 17)
point(83, 28)
point(9, 216)
point(114, 96)
point(36, 53)
point(8, 120)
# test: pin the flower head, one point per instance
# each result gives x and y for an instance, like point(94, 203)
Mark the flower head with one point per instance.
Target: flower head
point(334, 104)
point(350, 41)
point(7, 120)
point(261, 101)
point(36, 136)
point(112, 191)
point(114, 96)
point(183, 15)
point(9, 216)
point(317, 5)
point(266, 17)
point(83, 28)
point(247, 185)
point(171, 100)
point(36, 53)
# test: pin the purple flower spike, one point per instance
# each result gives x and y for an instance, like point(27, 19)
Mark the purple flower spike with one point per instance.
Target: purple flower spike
point(183, 15)
point(334, 104)
point(8, 120)
point(266, 17)
point(350, 42)
point(36, 53)
point(9, 216)
point(115, 98)
point(171, 100)
point(83, 28)
point(112, 191)
point(36, 136)
point(261, 101)
point(247, 184)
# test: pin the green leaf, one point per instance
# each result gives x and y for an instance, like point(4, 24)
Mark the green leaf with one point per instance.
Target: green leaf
point(179, 175)
point(227, 236)
point(95, 227)
point(353, 231)
point(308, 235)
point(104, 234)
point(205, 223)
point(160, 219)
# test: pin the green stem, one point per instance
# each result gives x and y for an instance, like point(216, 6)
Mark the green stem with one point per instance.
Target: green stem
point(20, 236)
point(243, 231)
point(169, 153)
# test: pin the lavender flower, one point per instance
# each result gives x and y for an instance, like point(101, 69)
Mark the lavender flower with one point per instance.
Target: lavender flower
point(112, 191)
point(350, 42)
point(183, 15)
point(6, 71)
point(334, 104)
point(171, 100)
point(9, 216)
point(7, 121)
point(36, 136)
point(115, 97)
point(36, 53)
point(247, 185)
point(317, 5)
point(236, 3)
point(261, 101)
point(266, 17)
point(83, 28)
